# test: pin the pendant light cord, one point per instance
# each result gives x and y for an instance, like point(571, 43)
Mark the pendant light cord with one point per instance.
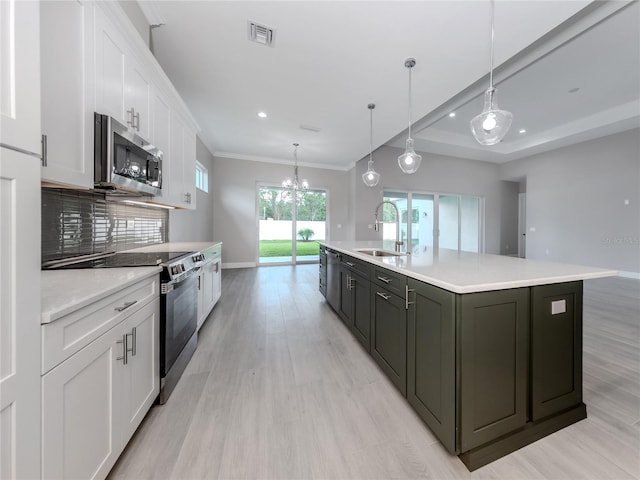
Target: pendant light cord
point(410, 68)
point(491, 70)
point(370, 133)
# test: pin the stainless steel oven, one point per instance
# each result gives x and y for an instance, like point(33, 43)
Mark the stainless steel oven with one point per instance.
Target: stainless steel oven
point(178, 337)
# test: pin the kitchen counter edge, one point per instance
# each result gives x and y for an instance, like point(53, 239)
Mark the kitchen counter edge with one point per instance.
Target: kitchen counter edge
point(65, 291)
point(350, 248)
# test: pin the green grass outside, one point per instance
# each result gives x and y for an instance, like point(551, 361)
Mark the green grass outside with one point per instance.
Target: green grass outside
point(282, 248)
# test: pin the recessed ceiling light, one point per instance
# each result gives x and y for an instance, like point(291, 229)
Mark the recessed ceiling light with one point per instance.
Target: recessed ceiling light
point(522, 130)
point(262, 115)
point(452, 114)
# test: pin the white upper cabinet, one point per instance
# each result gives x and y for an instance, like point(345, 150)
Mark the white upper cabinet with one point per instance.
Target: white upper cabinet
point(20, 75)
point(181, 165)
point(67, 54)
point(109, 67)
point(137, 100)
point(123, 86)
point(95, 61)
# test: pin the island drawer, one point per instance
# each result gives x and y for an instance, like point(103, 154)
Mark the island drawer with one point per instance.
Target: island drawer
point(395, 282)
point(357, 265)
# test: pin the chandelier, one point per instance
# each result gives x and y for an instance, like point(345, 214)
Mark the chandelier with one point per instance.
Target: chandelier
point(296, 183)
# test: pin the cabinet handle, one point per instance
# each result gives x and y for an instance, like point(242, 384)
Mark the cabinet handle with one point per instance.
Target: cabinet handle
point(134, 342)
point(217, 267)
point(131, 121)
point(386, 297)
point(384, 279)
point(136, 121)
point(124, 349)
point(199, 284)
point(44, 150)
point(125, 306)
point(406, 297)
point(350, 264)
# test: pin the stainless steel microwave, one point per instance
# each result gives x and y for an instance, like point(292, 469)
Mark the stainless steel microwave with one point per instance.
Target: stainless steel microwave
point(124, 161)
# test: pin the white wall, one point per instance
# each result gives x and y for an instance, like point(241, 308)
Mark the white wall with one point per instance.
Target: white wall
point(196, 225)
point(440, 174)
point(576, 202)
point(234, 187)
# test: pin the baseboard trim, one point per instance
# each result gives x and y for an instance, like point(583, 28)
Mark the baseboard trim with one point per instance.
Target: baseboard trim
point(487, 453)
point(239, 265)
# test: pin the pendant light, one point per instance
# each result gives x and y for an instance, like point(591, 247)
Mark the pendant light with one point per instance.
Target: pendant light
point(295, 184)
point(409, 161)
point(492, 124)
point(370, 177)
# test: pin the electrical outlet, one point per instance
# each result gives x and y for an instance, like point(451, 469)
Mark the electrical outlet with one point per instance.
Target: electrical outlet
point(131, 224)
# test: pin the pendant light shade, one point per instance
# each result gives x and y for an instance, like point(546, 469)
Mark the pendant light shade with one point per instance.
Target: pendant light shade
point(295, 184)
point(490, 126)
point(370, 177)
point(409, 161)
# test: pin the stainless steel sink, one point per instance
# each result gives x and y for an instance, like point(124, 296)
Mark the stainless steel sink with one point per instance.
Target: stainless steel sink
point(374, 252)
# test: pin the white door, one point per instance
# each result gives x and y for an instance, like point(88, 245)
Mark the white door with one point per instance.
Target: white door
point(522, 224)
point(141, 375)
point(81, 398)
point(19, 315)
point(20, 75)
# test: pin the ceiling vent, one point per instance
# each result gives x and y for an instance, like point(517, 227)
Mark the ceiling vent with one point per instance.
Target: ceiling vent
point(261, 34)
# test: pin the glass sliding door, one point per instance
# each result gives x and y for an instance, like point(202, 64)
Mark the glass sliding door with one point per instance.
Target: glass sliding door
point(275, 230)
point(422, 219)
point(289, 225)
point(310, 225)
point(436, 220)
point(448, 221)
point(470, 224)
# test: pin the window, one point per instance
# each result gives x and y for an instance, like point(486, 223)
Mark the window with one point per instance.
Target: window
point(202, 177)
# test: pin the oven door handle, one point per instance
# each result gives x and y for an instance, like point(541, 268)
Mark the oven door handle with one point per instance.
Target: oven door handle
point(167, 287)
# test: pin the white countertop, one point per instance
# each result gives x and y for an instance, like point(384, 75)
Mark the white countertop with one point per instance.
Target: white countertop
point(176, 247)
point(64, 291)
point(467, 272)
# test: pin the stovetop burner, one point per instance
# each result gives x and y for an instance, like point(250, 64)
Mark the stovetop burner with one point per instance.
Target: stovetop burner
point(118, 260)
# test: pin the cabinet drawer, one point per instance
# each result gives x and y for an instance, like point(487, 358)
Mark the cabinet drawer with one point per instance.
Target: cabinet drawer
point(69, 334)
point(393, 281)
point(357, 265)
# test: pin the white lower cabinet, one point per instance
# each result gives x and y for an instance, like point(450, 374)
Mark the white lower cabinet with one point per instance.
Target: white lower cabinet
point(209, 289)
point(94, 400)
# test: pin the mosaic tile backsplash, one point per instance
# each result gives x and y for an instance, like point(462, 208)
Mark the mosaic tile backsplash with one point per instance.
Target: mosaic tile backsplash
point(79, 223)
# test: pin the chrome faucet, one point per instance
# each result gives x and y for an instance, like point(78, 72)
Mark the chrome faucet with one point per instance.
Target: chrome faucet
point(376, 226)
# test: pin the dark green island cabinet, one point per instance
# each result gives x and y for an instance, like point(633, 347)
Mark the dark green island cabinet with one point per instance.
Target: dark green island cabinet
point(488, 372)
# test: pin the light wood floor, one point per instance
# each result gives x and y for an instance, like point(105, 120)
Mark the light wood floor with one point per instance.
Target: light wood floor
point(279, 389)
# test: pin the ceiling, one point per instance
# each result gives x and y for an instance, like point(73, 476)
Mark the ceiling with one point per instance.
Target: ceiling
point(330, 59)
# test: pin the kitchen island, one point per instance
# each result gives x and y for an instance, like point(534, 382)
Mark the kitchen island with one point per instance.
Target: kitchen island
point(487, 349)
